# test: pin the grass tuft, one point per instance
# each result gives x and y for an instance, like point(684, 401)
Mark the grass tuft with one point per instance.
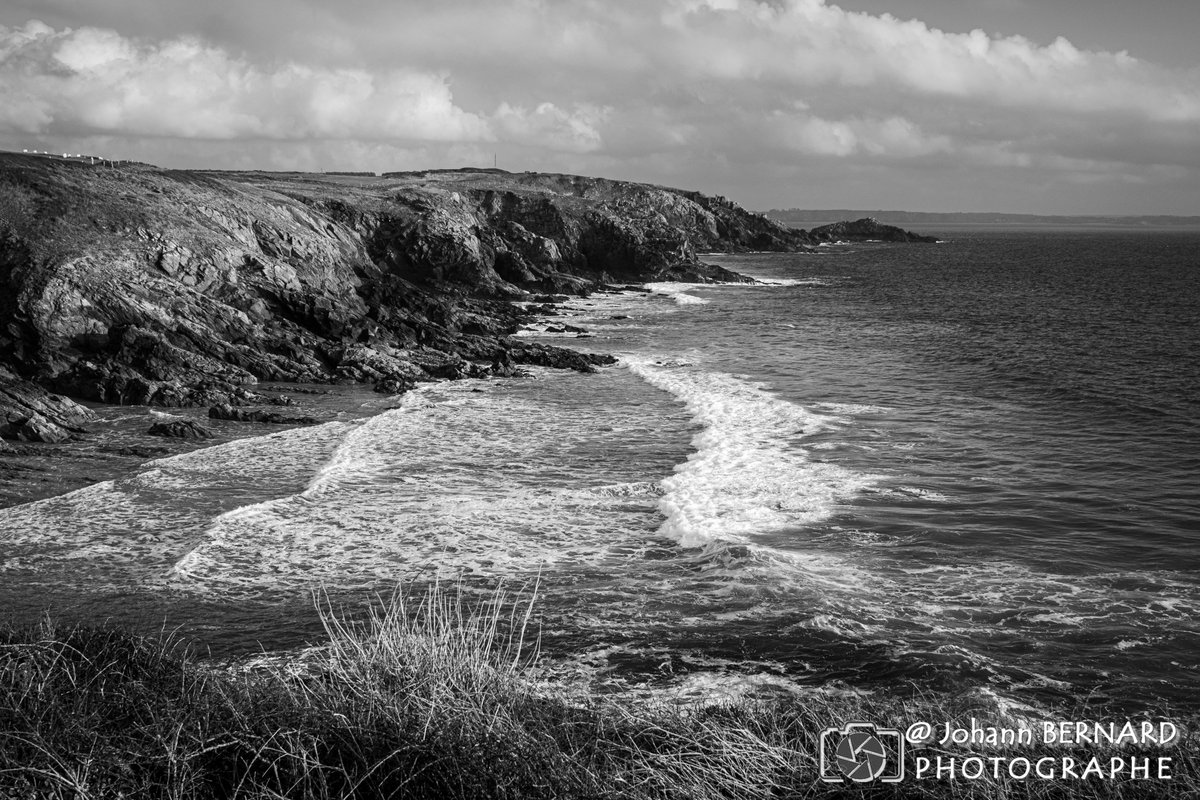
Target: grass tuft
point(429, 696)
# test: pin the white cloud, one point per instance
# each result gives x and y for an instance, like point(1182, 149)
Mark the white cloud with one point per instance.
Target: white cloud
point(89, 81)
point(548, 125)
point(687, 85)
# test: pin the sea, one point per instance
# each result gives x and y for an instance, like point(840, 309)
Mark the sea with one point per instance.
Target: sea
point(963, 468)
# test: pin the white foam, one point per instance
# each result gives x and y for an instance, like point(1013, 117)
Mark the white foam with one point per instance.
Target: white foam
point(749, 474)
point(453, 482)
point(912, 492)
point(769, 281)
point(678, 292)
point(853, 409)
point(133, 528)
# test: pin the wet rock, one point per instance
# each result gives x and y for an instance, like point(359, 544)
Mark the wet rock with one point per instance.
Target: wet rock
point(297, 390)
point(559, 358)
point(37, 429)
point(139, 451)
point(180, 429)
point(394, 386)
point(228, 412)
point(29, 413)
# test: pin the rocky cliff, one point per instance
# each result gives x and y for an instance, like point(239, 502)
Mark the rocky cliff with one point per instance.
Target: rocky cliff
point(139, 285)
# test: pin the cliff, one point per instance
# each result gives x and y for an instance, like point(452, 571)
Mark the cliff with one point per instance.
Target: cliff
point(139, 285)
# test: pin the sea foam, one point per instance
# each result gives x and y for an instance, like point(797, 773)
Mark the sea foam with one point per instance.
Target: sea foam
point(678, 292)
point(126, 532)
point(454, 482)
point(750, 474)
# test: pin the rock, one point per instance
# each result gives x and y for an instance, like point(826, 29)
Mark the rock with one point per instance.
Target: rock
point(449, 370)
point(176, 288)
point(867, 228)
point(139, 451)
point(37, 429)
point(394, 386)
point(296, 390)
point(228, 412)
point(180, 429)
point(559, 358)
point(29, 413)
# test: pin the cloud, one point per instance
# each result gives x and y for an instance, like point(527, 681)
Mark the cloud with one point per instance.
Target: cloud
point(547, 124)
point(90, 81)
point(687, 85)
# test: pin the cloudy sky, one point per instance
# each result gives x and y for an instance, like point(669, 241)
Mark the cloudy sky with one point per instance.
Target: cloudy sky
point(1038, 106)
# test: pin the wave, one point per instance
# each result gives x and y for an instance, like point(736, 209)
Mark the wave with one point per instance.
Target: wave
point(126, 532)
point(854, 409)
point(749, 474)
point(454, 482)
point(678, 292)
point(774, 281)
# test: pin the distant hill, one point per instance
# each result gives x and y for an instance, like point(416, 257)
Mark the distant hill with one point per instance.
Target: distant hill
point(798, 217)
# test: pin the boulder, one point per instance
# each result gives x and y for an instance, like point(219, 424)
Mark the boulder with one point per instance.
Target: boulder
point(180, 429)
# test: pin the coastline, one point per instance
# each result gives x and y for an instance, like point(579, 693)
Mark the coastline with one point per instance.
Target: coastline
point(117, 443)
point(819, 712)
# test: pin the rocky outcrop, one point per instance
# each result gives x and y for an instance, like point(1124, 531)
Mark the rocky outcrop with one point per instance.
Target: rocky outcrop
point(29, 413)
point(228, 412)
point(138, 285)
point(867, 229)
point(180, 429)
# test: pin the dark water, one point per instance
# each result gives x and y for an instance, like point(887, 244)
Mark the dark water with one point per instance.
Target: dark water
point(967, 467)
point(1038, 395)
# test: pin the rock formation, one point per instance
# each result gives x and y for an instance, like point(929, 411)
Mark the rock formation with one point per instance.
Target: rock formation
point(140, 285)
point(29, 413)
point(866, 229)
point(180, 429)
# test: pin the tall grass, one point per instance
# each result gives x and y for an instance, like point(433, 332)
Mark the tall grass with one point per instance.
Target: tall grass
point(427, 695)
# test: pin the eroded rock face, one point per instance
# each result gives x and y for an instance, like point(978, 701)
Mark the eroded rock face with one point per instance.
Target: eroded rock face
point(29, 413)
point(169, 288)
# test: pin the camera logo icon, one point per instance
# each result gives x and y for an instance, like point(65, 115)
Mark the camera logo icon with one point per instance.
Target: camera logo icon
point(861, 752)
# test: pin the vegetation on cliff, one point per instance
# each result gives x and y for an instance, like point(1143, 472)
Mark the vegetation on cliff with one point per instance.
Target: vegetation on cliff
point(437, 697)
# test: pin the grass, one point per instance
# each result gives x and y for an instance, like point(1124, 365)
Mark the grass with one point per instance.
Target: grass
point(430, 696)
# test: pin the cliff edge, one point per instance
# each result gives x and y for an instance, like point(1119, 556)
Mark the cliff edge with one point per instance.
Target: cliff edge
point(140, 285)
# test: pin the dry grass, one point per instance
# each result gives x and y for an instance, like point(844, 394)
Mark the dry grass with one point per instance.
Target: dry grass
point(427, 696)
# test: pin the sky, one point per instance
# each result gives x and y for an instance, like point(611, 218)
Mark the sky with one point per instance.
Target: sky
point(1027, 106)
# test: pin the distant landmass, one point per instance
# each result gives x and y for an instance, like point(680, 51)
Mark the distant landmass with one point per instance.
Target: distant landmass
point(803, 217)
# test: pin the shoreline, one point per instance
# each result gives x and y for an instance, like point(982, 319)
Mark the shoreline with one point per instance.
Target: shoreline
point(117, 446)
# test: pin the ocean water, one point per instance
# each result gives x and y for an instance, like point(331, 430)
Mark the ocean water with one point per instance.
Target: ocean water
point(968, 467)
